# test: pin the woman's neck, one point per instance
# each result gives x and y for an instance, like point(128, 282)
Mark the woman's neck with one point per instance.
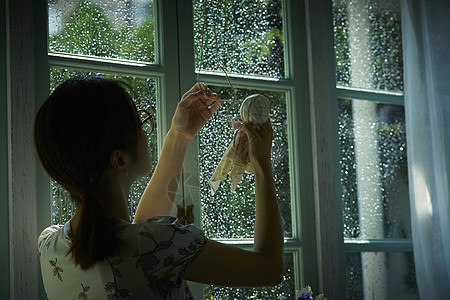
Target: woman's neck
point(113, 198)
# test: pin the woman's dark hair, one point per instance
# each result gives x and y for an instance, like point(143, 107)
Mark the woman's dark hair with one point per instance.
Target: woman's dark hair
point(77, 128)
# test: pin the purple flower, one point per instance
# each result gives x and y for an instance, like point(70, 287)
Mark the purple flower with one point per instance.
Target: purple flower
point(306, 296)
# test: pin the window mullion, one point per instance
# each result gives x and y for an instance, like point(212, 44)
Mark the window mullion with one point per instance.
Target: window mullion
point(188, 190)
point(107, 65)
point(189, 186)
point(251, 82)
point(371, 245)
point(387, 97)
point(187, 78)
point(325, 145)
point(168, 56)
point(301, 145)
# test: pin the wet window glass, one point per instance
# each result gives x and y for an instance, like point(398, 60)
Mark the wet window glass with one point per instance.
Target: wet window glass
point(231, 215)
point(285, 290)
point(374, 174)
point(118, 29)
point(240, 37)
point(381, 275)
point(368, 44)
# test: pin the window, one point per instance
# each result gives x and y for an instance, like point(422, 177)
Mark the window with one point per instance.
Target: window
point(245, 40)
point(372, 140)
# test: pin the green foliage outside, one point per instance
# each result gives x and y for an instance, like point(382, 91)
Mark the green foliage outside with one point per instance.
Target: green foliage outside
point(89, 31)
point(245, 37)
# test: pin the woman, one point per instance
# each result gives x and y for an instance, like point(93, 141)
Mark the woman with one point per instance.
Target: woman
point(91, 140)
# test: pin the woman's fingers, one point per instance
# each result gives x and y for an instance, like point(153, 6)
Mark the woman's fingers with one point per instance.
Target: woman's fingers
point(213, 108)
point(203, 98)
point(189, 98)
point(196, 99)
point(211, 98)
point(199, 86)
point(201, 89)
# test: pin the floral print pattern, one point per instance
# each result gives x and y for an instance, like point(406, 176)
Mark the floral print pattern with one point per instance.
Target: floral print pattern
point(149, 263)
point(115, 270)
point(56, 270)
point(83, 294)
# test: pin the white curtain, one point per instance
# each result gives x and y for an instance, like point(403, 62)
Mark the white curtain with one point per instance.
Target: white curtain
point(426, 46)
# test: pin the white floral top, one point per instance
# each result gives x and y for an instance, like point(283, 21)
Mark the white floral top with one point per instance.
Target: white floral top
point(149, 264)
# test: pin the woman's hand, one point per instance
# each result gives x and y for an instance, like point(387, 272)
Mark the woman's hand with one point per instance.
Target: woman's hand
point(194, 110)
point(259, 142)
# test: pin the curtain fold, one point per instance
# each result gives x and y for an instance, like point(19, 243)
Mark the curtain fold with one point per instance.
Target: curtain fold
point(426, 46)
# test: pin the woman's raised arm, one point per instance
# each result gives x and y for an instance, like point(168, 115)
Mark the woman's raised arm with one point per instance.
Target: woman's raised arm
point(194, 110)
point(226, 265)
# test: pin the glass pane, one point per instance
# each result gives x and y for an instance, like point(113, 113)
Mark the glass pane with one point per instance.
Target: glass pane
point(374, 174)
point(246, 37)
point(105, 28)
point(232, 214)
point(62, 206)
point(145, 97)
point(381, 275)
point(368, 44)
point(285, 290)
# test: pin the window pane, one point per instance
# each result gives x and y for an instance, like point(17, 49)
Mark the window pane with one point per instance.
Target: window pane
point(285, 290)
point(382, 275)
point(374, 174)
point(62, 206)
point(105, 28)
point(232, 214)
point(246, 37)
point(368, 44)
point(146, 93)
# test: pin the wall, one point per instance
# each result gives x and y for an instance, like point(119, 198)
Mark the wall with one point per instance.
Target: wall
point(4, 228)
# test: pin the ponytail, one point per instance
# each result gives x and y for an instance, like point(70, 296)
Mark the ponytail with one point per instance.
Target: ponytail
point(94, 238)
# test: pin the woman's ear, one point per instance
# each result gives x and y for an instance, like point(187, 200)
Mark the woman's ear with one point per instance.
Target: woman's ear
point(119, 161)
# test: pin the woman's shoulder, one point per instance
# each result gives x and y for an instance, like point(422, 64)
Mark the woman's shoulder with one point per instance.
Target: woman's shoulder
point(157, 221)
point(161, 232)
point(157, 224)
point(47, 234)
point(171, 226)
